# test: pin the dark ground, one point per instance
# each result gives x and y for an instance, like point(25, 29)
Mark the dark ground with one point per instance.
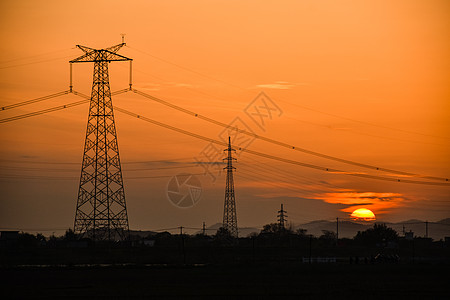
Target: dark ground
point(243, 281)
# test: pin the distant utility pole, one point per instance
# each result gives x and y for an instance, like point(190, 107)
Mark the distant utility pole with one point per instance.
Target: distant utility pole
point(229, 210)
point(282, 217)
point(204, 229)
point(182, 245)
point(101, 212)
point(337, 231)
point(426, 229)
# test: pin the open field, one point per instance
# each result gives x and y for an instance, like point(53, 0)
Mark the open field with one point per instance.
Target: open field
point(249, 281)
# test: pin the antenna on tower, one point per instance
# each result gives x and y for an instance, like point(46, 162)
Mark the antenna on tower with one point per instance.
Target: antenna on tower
point(229, 210)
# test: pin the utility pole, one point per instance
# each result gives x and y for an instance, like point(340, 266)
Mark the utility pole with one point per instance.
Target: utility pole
point(337, 231)
point(204, 229)
point(182, 245)
point(229, 209)
point(426, 229)
point(101, 212)
point(282, 218)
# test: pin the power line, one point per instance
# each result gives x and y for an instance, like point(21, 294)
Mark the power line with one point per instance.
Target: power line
point(34, 56)
point(33, 63)
point(40, 177)
point(258, 176)
point(34, 100)
point(185, 68)
point(44, 111)
point(14, 168)
point(246, 150)
point(345, 130)
point(56, 108)
point(301, 106)
point(74, 163)
point(282, 144)
point(284, 173)
point(211, 121)
point(272, 157)
point(362, 122)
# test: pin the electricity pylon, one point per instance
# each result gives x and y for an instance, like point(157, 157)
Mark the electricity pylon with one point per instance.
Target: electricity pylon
point(101, 212)
point(282, 217)
point(229, 210)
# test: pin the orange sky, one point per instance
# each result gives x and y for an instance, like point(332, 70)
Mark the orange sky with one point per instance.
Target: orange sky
point(361, 80)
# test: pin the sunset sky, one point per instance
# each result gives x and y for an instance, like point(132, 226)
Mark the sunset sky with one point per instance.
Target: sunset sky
point(366, 81)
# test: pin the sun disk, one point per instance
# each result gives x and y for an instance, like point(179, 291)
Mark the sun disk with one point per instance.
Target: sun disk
point(363, 214)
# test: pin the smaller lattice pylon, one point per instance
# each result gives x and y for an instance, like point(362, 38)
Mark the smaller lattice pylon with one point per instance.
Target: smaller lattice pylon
point(229, 209)
point(282, 217)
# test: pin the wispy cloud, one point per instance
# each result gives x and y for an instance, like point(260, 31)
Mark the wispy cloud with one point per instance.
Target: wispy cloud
point(379, 203)
point(151, 87)
point(160, 86)
point(279, 85)
point(181, 84)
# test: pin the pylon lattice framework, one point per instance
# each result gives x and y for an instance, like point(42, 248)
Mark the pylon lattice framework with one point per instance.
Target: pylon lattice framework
point(229, 210)
point(282, 218)
point(101, 212)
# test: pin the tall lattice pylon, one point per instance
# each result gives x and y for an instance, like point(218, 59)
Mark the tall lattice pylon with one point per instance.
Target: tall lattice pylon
point(229, 209)
point(101, 212)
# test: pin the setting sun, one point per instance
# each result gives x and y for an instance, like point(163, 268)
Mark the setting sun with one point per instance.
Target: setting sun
point(363, 214)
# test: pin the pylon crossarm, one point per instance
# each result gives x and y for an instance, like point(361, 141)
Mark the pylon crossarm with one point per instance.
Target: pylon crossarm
point(85, 49)
point(118, 57)
point(94, 55)
point(115, 48)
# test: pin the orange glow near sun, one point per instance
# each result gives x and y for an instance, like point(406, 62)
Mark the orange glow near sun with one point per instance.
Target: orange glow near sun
point(363, 214)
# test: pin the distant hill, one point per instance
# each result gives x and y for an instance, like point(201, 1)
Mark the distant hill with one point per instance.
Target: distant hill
point(444, 221)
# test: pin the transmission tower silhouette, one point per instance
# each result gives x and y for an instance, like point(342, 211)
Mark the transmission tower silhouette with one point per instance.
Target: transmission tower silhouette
point(229, 209)
point(282, 217)
point(101, 212)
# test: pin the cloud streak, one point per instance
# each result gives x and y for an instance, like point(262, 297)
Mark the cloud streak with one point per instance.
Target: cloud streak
point(279, 85)
point(379, 203)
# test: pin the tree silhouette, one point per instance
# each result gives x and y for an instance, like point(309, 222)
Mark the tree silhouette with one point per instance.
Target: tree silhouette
point(271, 228)
point(380, 234)
point(223, 233)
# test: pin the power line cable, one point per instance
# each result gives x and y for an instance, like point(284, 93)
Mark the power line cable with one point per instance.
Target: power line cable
point(362, 122)
point(44, 111)
point(15, 168)
point(282, 144)
point(276, 171)
point(242, 131)
point(272, 157)
point(280, 178)
point(208, 120)
point(184, 68)
point(6, 107)
point(33, 63)
point(56, 108)
point(252, 176)
point(77, 163)
point(41, 177)
point(301, 106)
point(34, 56)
